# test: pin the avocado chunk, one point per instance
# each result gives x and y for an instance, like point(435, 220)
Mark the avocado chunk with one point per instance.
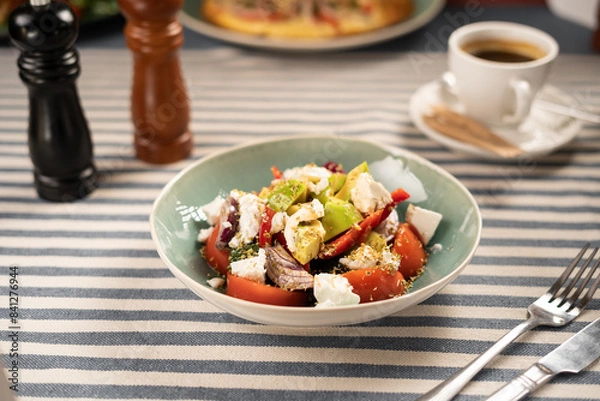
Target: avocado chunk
point(308, 240)
point(339, 216)
point(350, 183)
point(286, 194)
point(376, 241)
point(336, 181)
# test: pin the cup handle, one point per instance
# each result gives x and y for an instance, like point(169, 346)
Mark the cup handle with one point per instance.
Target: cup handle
point(448, 85)
point(523, 99)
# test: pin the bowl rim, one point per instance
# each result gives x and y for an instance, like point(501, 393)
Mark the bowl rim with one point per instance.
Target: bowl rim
point(207, 293)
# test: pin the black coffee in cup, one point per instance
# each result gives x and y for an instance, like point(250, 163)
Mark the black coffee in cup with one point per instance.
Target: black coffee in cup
point(503, 51)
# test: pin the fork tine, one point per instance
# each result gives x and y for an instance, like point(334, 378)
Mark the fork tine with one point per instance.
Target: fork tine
point(590, 292)
point(563, 277)
point(565, 293)
point(587, 279)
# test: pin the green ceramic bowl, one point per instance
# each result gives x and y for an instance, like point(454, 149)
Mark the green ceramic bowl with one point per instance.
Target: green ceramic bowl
point(175, 220)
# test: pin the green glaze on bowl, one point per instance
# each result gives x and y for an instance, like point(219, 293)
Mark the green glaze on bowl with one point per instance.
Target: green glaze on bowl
point(175, 221)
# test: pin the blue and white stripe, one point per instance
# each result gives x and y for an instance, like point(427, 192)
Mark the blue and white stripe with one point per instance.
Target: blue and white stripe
point(103, 318)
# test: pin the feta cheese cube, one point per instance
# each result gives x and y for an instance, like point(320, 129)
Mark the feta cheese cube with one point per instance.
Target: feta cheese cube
point(424, 221)
point(216, 282)
point(204, 234)
point(365, 256)
point(309, 172)
point(389, 226)
point(212, 210)
point(369, 195)
point(251, 268)
point(278, 222)
point(333, 290)
point(251, 208)
point(314, 176)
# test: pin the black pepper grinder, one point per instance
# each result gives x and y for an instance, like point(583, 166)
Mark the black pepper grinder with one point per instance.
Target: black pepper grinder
point(60, 144)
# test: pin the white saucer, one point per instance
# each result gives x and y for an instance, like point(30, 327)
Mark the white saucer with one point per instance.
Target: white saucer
point(540, 134)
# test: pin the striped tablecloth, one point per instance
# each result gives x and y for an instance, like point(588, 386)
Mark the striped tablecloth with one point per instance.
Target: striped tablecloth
point(101, 317)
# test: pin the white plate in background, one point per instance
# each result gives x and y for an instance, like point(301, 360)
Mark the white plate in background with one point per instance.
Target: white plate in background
point(425, 11)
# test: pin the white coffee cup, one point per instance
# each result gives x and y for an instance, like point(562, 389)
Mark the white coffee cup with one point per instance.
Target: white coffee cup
point(489, 88)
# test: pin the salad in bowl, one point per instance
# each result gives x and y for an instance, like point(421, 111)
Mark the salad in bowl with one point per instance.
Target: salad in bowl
point(316, 236)
point(307, 243)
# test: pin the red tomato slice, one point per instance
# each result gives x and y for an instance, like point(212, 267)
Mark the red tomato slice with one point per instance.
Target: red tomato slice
point(410, 249)
point(249, 290)
point(375, 284)
point(264, 233)
point(216, 258)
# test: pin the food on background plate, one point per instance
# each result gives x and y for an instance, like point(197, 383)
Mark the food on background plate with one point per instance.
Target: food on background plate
point(87, 9)
point(316, 236)
point(305, 18)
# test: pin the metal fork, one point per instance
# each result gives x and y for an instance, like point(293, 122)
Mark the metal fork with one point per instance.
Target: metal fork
point(555, 308)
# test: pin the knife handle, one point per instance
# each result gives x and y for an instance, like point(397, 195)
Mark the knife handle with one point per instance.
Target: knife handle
point(533, 378)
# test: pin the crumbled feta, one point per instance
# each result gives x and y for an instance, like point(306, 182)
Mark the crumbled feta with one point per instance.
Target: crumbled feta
point(333, 290)
point(390, 260)
point(389, 226)
point(361, 258)
point(278, 222)
point(251, 208)
point(424, 221)
point(319, 186)
point(236, 194)
point(251, 268)
point(307, 212)
point(365, 256)
point(216, 282)
point(212, 210)
point(204, 234)
point(316, 178)
point(369, 195)
point(310, 172)
point(436, 248)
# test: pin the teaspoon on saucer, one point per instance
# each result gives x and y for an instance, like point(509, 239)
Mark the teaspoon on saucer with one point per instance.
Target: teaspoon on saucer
point(567, 111)
point(465, 129)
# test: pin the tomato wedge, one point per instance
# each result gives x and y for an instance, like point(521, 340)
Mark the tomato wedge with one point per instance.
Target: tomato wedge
point(264, 233)
point(249, 290)
point(375, 284)
point(216, 258)
point(411, 251)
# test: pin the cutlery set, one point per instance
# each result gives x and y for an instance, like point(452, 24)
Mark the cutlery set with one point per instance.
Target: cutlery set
point(559, 306)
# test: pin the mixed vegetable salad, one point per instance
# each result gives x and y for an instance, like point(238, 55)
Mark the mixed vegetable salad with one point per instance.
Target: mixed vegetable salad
point(316, 235)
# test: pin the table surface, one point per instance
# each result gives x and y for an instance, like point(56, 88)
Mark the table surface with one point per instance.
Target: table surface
point(101, 317)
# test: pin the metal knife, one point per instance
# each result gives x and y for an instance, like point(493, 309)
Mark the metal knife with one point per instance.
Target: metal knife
point(574, 355)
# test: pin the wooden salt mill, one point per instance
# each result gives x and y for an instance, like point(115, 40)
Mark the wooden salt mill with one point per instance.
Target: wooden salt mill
point(59, 140)
point(159, 102)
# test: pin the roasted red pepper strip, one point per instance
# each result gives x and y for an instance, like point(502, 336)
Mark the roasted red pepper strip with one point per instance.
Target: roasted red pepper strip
point(359, 232)
point(264, 233)
point(277, 174)
point(354, 235)
point(399, 195)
